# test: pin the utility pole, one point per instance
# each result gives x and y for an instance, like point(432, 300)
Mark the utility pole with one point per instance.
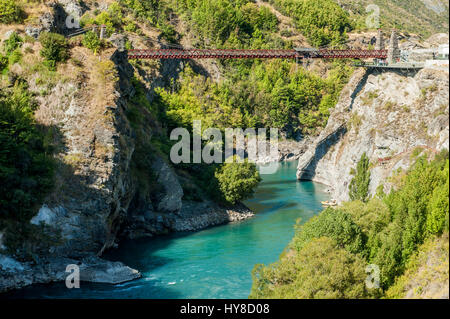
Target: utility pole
point(102, 31)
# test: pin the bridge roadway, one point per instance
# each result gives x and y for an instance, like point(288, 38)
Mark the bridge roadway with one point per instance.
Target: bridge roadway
point(299, 53)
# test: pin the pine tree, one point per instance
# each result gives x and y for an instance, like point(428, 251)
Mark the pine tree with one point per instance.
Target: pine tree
point(359, 186)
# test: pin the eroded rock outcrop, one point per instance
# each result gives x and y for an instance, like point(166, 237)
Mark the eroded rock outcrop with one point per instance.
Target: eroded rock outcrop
point(388, 115)
point(92, 269)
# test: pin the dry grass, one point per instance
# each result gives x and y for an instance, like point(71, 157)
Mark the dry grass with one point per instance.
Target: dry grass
point(33, 10)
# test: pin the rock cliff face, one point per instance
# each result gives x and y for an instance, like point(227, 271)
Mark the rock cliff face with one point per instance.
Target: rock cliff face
point(93, 185)
point(97, 200)
point(389, 116)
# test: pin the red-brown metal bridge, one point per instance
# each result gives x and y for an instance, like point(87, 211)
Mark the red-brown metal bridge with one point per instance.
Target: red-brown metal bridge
point(298, 53)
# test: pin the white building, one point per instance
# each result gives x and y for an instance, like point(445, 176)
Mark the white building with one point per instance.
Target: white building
point(443, 51)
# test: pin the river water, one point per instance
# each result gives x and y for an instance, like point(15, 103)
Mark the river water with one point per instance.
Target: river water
point(213, 263)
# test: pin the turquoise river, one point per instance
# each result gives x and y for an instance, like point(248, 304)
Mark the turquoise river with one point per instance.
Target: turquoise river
point(212, 263)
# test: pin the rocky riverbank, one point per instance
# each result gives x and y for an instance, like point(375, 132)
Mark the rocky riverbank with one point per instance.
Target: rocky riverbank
point(16, 275)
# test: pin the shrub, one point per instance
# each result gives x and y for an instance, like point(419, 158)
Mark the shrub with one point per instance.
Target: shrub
point(25, 168)
point(92, 41)
point(11, 12)
point(12, 43)
point(14, 57)
point(130, 26)
point(3, 62)
point(437, 218)
point(55, 48)
point(333, 223)
point(237, 181)
point(359, 185)
point(372, 216)
point(321, 270)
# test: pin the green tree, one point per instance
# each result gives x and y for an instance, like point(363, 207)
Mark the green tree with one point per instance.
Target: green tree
point(321, 270)
point(55, 48)
point(11, 12)
point(333, 223)
point(438, 207)
point(92, 42)
point(359, 185)
point(417, 208)
point(12, 43)
point(25, 165)
point(237, 181)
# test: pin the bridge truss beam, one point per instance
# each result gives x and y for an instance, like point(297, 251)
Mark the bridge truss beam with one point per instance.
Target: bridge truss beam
point(255, 54)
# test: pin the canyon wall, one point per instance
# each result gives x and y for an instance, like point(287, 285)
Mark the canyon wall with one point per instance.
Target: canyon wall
point(389, 115)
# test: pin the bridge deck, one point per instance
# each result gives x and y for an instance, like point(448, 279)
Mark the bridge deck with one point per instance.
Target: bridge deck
point(401, 65)
point(255, 54)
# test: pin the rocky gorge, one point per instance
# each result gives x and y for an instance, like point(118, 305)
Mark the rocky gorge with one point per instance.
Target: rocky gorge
point(112, 184)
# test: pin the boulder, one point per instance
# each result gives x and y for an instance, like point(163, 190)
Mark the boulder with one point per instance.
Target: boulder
point(169, 197)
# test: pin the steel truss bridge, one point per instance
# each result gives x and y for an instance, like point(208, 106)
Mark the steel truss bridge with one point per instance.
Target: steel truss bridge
point(297, 53)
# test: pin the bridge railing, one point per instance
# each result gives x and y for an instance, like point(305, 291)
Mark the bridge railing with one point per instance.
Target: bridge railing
point(252, 54)
point(209, 54)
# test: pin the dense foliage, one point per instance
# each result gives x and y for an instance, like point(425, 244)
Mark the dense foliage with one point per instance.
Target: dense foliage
point(11, 52)
point(426, 273)
point(11, 12)
point(269, 94)
point(336, 224)
point(92, 41)
point(359, 185)
point(385, 231)
point(323, 22)
point(237, 181)
point(322, 269)
point(25, 165)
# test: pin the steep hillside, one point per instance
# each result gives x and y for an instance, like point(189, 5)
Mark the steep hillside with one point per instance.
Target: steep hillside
point(400, 237)
point(422, 17)
point(427, 273)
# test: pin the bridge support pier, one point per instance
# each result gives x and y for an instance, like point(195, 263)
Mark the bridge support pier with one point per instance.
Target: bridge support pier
point(393, 55)
point(380, 41)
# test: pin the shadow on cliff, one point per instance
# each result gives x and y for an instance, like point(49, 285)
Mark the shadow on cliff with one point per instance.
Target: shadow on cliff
point(321, 149)
point(361, 84)
point(76, 195)
point(169, 73)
